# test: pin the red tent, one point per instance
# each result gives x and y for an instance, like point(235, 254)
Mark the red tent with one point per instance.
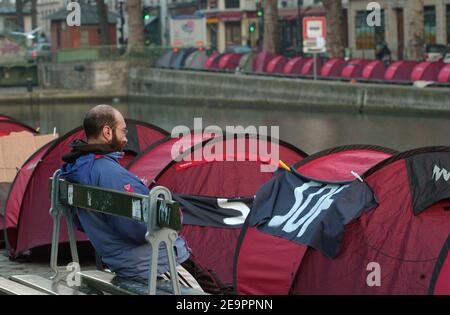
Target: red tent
point(405, 237)
point(294, 66)
point(27, 219)
point(5, 117)
point(374, 70)
point(213, 61)
point(277, 64)
point(266, 263)
point(400, 70)
point(427, 71)
point(444, 75)
point(261, 60)
point(229, 61)
point(214, 193)
point(308, 67)
point(354, 68)
point(7, 126)
point(333, 67)
point(337, 164)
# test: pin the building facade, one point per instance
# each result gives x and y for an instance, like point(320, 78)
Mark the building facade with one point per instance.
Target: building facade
point(394, 28)
point(44, 9)
point(85, 35)
point(8, 20)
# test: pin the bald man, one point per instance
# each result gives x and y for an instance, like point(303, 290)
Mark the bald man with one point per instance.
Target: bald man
point(120, 242)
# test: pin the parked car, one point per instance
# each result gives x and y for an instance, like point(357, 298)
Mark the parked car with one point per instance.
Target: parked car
point(434, 52)
point(39, 52)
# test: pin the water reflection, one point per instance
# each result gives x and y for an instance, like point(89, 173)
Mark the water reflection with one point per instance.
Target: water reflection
point(310, 131)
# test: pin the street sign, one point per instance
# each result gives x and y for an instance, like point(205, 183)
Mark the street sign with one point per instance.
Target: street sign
point(314, 34)
point(317, 45)
point(314, 27)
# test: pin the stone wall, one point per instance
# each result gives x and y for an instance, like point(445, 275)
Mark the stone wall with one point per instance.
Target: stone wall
point(250, 91)
point(100, 76)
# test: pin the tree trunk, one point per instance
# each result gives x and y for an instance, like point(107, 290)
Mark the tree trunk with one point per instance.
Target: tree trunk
point(416, 34)
point(19, 16)
point(135, 25)
point(34, 14)
point(335, 28)
point(102, 11)
point(271, 27)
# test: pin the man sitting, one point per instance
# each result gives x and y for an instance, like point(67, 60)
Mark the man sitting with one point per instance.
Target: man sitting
point(120, 242)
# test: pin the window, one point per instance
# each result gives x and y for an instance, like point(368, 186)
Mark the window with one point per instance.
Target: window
point(212, 4)
point(232, 4)
point(233, 33)
point(448, 24)
point(430, 24)
point(368, 36)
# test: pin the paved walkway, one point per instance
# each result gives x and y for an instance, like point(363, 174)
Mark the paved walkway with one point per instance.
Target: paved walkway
point(8, 267)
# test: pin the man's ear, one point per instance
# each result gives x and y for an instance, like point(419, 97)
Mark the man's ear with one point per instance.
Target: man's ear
point(107, 132)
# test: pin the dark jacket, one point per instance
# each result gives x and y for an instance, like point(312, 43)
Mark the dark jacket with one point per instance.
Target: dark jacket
point(120, 242)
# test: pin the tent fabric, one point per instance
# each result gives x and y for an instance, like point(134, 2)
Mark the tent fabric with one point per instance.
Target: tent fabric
point(151, 161)
point(28, 202)
point(166, 60)
point(196, 60)
point(329, 170)
point(404, 247)
point(337, 164)
point(212, 245)
point(27, 219)
point(5, 117)
point(219, 179)
point(246, 62)
point(180, 57)
point(440, 285)
point(306, 213)
point(404, 244)
point(8, 126)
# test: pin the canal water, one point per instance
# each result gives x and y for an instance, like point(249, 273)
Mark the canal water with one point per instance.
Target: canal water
point(310, 131)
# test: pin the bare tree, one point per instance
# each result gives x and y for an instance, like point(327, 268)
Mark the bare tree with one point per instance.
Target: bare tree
point(102, 11)
point(335, 28)
point(19, 16)
point(416, 32)
point(34, 14)
point(271, 27)
point(135, 24)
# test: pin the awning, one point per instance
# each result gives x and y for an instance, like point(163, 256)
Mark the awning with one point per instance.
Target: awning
point(293, 13)
point(229, 16)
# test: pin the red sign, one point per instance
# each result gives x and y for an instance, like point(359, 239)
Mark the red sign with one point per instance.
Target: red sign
point(314, 27)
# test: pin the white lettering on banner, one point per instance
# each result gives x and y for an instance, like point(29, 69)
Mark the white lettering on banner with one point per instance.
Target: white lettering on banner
point(438, 173)
point(294, 220)
point(238, 206)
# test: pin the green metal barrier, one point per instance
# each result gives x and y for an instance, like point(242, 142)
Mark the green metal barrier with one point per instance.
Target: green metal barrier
point(17, 75)
point(157, 210)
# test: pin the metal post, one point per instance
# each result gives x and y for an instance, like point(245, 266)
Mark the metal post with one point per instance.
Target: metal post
point(56, 215)
point(155, 236)
point(315, 66)
point(163, 20)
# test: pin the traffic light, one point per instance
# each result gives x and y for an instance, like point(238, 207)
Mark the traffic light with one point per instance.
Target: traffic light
point(259, 10)
point(146, 14)
point(252, 27)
